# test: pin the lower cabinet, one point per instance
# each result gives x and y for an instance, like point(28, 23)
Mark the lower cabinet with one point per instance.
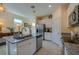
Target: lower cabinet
point(48, 35)
point(27, 47)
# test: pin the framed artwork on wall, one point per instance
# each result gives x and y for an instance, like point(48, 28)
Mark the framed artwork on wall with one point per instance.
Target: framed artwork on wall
point(74, 17)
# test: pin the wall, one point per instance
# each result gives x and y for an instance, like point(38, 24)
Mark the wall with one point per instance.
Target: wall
point(56, 26)
point(64, 28)
point(70, 9)
point(46, 21)
point(66, 9)
point(61, 16)
point(7, 19)
point(59, 25)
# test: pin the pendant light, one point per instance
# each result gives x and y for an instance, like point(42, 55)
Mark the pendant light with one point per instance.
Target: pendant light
point(2, 8)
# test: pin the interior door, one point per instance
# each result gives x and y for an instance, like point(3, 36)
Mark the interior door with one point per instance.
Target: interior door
point(56, 32)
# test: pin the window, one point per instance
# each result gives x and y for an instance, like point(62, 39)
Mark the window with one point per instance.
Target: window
point(17, 21)
point(17, 24)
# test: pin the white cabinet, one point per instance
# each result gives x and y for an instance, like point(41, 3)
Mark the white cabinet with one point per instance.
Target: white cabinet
point(26, 47)
point(48, 35)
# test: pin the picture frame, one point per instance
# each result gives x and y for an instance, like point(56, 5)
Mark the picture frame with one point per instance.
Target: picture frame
point(74, 17)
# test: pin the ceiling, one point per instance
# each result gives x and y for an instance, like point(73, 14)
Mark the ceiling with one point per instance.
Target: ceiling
point(24, 9)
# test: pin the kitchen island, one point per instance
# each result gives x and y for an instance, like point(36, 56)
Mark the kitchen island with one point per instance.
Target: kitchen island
point(25, 46)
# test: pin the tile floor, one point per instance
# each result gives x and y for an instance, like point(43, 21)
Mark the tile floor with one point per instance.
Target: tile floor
point(48, 48)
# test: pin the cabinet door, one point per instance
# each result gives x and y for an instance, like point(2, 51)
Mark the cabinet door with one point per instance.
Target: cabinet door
point(27, 47)
point(48, 36)
point(33, 46)
point(23, 48)
point(11, 49)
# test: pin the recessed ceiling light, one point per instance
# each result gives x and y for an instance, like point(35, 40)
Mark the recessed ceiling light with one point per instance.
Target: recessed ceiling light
point(32, 6)
point(2, 9)
point(34, 11)
point(50, 6)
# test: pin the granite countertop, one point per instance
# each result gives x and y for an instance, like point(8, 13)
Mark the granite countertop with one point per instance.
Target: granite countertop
point(72, 48)
point(13, 40)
